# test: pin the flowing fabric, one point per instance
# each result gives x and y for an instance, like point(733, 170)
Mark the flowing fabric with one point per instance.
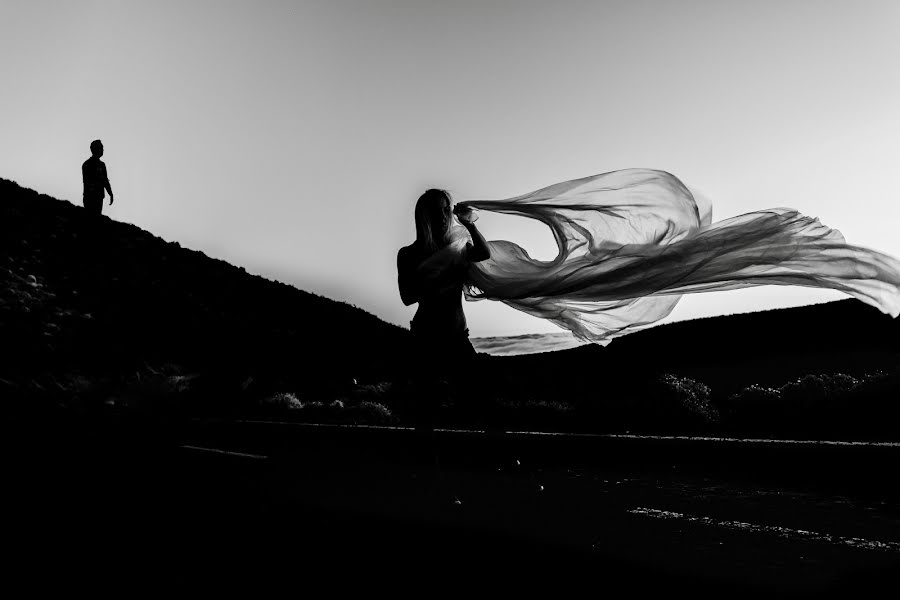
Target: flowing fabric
point(632, 242)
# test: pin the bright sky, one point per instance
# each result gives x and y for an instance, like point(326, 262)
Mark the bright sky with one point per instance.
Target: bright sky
point(293, 138)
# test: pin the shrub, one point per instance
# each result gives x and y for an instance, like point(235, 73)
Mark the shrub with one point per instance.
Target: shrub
point(282, 401)
point(147, 389)
point(811, 405)
point(754, 409)
point(368, 391)
point(869, 409)
point(672, 404)
point(374, 413)
point(814, 405)
point(811, 391)
point(686, 399)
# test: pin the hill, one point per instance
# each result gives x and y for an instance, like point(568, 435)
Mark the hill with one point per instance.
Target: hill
point(104, 301)
point(98, 314)
point(822, 371)
point(769, 346)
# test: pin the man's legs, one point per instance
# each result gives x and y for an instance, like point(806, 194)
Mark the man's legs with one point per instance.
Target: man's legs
point(90, 234)
point(93, 205)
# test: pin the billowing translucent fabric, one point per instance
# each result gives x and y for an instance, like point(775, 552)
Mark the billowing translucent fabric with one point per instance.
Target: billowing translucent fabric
point(632, 242)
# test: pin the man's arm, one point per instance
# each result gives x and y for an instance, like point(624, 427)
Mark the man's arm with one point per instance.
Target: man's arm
point(107, 186)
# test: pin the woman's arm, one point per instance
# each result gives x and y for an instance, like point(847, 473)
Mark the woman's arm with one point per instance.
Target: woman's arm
point(406, 277)
point(478, 250)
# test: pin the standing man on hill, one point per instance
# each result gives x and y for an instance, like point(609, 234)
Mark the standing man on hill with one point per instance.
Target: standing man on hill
point(93, 173)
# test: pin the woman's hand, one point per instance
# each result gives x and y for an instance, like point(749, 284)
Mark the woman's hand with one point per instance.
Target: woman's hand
point(465, 214)
point(478, 250)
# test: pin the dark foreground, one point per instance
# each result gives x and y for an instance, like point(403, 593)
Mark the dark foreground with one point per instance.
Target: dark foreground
point(196, 507)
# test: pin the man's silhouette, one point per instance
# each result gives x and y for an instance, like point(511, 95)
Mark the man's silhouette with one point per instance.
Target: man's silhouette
point(93, 173)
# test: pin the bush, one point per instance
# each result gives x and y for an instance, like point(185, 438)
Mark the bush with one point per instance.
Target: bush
point(374, 413)
point(815, 405)
point(693, 396)
point(282, 401)
point(869, 409)
point(674, 404)
point(814, 391)
point(369, 391)
point(754, 409)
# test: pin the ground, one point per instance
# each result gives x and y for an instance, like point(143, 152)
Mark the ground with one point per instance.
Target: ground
point(222, 504)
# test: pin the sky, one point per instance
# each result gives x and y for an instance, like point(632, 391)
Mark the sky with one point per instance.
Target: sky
point(293, 137)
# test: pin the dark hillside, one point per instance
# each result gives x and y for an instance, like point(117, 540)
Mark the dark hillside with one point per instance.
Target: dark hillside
point(101, 301)
point(769, 346)
point(823, 371)
point(732, 351)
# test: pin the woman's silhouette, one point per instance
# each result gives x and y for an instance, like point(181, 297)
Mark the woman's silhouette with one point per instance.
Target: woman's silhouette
point(431, 272)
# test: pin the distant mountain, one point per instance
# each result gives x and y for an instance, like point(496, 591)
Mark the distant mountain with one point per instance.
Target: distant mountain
point(104, 299)
point(530, 343)
point(726, 352)
point(840, 327)
point(845, 335)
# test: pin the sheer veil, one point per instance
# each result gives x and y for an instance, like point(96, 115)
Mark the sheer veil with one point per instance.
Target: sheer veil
point(632, 242)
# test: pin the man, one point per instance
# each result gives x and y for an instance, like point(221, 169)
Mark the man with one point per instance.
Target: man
point(93, 173)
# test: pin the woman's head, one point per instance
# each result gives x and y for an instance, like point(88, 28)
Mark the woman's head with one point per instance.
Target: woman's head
point(433, 218)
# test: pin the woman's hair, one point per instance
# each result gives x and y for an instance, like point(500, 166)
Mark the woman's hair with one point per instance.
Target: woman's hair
point(427, 206)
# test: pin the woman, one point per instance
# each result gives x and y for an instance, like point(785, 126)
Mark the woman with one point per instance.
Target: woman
point(431, 272)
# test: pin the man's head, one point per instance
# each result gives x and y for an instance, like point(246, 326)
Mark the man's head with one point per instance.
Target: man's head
point(97, 148)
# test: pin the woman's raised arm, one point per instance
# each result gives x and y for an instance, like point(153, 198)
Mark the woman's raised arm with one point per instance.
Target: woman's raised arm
point(478, 250)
